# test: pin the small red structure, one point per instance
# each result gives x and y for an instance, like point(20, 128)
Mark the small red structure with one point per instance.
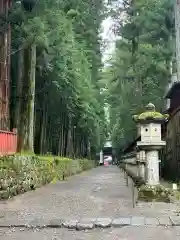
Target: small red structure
point(106, 164)
point(8, 140)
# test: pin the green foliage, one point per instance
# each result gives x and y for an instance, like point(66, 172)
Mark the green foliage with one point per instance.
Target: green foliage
point(68, 67)
point(139, 70)
point(22, 173)
point(150, 116)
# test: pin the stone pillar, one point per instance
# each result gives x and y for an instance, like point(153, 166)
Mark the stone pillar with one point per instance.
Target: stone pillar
point(101, 158)
point(152, 167)
point(141, 157)
point(137, 169)
point(142, 170)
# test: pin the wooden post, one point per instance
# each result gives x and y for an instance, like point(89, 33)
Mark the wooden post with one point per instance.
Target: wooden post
point(126, 179)
point(124, 175)
point(124, 172)
point(133, 195)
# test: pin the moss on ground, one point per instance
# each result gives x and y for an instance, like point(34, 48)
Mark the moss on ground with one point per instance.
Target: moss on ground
point(155, 193)
point(148, 193)
point(22, 173)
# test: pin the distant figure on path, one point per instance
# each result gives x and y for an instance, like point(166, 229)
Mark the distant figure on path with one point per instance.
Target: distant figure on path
point(108, 161)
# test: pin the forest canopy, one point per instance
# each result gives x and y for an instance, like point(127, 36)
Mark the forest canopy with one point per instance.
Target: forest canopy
point(56, 103)
point(141, 64)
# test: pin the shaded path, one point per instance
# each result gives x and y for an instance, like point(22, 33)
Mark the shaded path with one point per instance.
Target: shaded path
point(100, 192)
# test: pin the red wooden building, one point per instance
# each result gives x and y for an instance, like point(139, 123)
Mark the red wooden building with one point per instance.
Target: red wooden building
point(8, 139)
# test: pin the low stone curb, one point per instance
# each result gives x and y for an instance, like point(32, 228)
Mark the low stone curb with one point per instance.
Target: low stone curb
point(91, 223)
point(138, 181)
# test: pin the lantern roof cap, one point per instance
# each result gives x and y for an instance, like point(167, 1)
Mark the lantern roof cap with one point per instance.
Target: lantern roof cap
point(150, 115)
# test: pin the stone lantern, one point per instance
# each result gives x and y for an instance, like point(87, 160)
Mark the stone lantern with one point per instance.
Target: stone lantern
point(150, 128)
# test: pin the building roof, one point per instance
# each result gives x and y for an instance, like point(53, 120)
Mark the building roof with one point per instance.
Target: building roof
point(108, 143)
point(131, 146)
point(175, 87)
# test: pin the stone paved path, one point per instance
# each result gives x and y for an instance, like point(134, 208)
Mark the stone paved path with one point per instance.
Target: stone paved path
point(98, 193)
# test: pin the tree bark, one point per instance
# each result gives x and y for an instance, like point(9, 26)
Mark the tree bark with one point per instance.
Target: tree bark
point(20, 73)
point(43, 126)
point(26, 133)
point(69, 136)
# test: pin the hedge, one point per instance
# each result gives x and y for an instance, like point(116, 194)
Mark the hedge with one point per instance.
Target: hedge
point(19, 174)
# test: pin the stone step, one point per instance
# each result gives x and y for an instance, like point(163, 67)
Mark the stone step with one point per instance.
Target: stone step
point(90, 223)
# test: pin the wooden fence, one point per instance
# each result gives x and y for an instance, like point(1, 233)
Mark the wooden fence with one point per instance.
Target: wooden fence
point(8, 142)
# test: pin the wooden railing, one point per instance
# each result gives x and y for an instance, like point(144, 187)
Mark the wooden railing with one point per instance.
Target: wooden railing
point(8, 142)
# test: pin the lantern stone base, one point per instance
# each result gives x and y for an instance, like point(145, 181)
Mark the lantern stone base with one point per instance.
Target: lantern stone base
point(152, 161)
point(152, 168)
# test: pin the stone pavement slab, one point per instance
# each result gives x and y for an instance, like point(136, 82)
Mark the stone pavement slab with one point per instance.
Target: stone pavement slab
point(90, 223)
point(151, 221)
point(175, 220)
point(36, 223)
point(71, 224)
point(103, 222)
point(164, 221)
point(86, 223)
point(122, 221)
point(55, 223)
point(137, 221)
point(125, 233)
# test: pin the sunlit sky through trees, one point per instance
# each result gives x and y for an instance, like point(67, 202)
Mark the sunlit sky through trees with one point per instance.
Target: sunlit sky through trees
point(108, 36)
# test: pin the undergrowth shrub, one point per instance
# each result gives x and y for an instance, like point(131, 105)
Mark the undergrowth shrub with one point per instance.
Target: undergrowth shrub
point(21, 173)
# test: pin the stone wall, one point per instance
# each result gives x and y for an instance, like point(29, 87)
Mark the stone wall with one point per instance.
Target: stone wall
point(129, 164)
point(19, 174)
point(146, 193)
point(129, 158)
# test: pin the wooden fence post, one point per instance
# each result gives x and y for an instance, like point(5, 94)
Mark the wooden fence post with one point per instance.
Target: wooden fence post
point(133, 195)
point(126, 179)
